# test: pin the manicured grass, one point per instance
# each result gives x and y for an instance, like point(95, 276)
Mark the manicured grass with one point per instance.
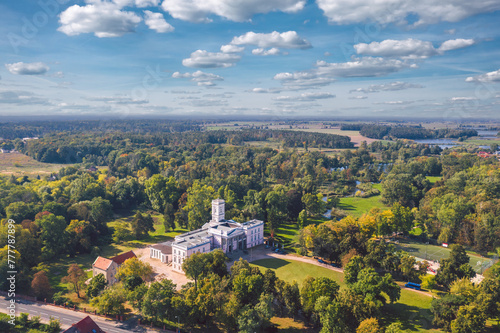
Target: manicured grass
point(158, 236)
point(357, 206)
point(289, 270)
point(289, 233)
point(22, 165)
point(288, 325)
point(412, 310)
point(433, 179)
point(435, 252)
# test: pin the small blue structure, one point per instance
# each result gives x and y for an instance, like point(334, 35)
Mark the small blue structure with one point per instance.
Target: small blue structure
point(412, 285)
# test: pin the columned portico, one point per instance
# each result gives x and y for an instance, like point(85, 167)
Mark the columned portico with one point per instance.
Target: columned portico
point(227, 235)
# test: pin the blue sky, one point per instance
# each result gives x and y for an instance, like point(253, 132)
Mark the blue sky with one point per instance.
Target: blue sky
point(282, 58)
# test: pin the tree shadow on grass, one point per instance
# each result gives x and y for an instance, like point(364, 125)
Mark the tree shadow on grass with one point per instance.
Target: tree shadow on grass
point(345, 206)
point(271, 263)
point(413, 318)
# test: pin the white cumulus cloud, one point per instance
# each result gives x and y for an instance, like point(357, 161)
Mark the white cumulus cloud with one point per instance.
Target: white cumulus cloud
point(285, 40)
point(408, 48)
point(392, 86)
point(263, 52)
point(156, 21)
point(22, 68)
point(234, 10)
point(265, 91)
point(103, 19)
point(487, 77)
point(205, 59)
point(231, 48)
point(396, 11)
point(146, 3)
point(454, 44)
point(305, 97)
point(462, 99)
point(201, 78)
point(325, 73)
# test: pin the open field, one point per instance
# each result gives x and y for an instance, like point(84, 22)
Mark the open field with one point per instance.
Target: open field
point(481, 142)
point(317, 127)
point(288, 325)
point(433, 179)
point(435, 252)
point(22, 165)
point(158, 236)
point(412, 310)
point(357, 206)
point(289, 270)
point(356, 138)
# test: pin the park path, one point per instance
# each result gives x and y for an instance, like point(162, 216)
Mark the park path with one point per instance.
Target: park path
point(262, 253)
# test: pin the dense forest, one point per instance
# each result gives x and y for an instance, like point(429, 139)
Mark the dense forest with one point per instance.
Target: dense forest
point(96, 147)
point(407, 132)
point(19, 130)
point(177, 174)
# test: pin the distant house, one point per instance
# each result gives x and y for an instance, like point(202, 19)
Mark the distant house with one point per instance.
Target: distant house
point(86, 325)
point(162, 251)
point(484, 154)
point(109, 267)
point(92, 169)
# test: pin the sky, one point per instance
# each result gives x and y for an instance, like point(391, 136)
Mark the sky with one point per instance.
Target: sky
point(278, 58)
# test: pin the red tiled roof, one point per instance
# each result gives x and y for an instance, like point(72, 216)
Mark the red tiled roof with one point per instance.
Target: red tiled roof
point(86, 325)
point(102, 263)
point(120, 259)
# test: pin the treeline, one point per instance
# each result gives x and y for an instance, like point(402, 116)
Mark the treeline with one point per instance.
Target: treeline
point(96, 147)
point(14, 130)
point(406, 132)
point(352, 126)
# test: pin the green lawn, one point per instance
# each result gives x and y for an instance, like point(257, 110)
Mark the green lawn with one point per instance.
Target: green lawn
point(479, 142)
point(435, 252)
point(357, 206)
point(433, 179)
point(289, 270)
point(158, 236)
point(289, 233)
point(412, 309)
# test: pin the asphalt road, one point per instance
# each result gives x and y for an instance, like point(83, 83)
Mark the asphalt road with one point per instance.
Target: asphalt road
point(66, 317)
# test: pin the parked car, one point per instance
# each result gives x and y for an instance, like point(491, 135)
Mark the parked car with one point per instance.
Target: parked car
point(321, 261)
point(335, 265)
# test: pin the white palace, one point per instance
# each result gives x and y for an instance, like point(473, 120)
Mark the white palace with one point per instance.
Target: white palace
point(219, 233)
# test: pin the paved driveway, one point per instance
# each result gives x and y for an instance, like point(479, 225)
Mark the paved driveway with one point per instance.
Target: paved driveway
point(162, 271)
